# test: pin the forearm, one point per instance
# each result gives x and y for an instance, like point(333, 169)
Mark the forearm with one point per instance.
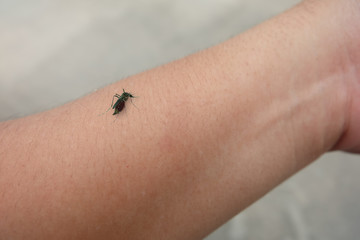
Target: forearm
point(211, 133)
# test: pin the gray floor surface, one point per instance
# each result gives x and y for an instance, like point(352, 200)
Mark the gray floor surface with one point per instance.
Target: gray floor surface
point(52, 52)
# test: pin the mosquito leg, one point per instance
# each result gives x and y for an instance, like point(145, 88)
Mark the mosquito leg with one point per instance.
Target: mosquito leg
point(133, 104)
point(112, 104)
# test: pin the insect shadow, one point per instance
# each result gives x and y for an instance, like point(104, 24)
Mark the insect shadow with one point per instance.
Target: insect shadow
point(119, 105)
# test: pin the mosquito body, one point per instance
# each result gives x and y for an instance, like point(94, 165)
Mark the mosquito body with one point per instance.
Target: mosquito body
point(119, 105)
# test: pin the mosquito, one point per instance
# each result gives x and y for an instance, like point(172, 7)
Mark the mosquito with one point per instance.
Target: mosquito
point(119, 105)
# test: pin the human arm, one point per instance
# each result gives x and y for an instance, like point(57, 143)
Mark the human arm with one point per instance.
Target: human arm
point(213, 132)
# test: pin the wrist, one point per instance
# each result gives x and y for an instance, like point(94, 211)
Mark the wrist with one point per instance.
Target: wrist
point(330, 31)
point(297, 65)
point(342, 20)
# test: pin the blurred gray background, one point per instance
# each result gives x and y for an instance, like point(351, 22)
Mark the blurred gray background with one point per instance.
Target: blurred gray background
point(52, 52)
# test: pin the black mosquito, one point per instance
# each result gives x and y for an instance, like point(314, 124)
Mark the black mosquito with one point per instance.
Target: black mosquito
point(120, 103)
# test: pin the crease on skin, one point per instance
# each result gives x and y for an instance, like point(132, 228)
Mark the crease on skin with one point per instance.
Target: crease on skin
point(282, 112)
point(350, 71)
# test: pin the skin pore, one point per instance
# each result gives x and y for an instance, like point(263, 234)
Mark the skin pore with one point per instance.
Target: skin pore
point(213, 132)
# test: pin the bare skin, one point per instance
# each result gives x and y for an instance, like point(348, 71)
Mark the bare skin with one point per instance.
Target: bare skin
point(213, 132)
